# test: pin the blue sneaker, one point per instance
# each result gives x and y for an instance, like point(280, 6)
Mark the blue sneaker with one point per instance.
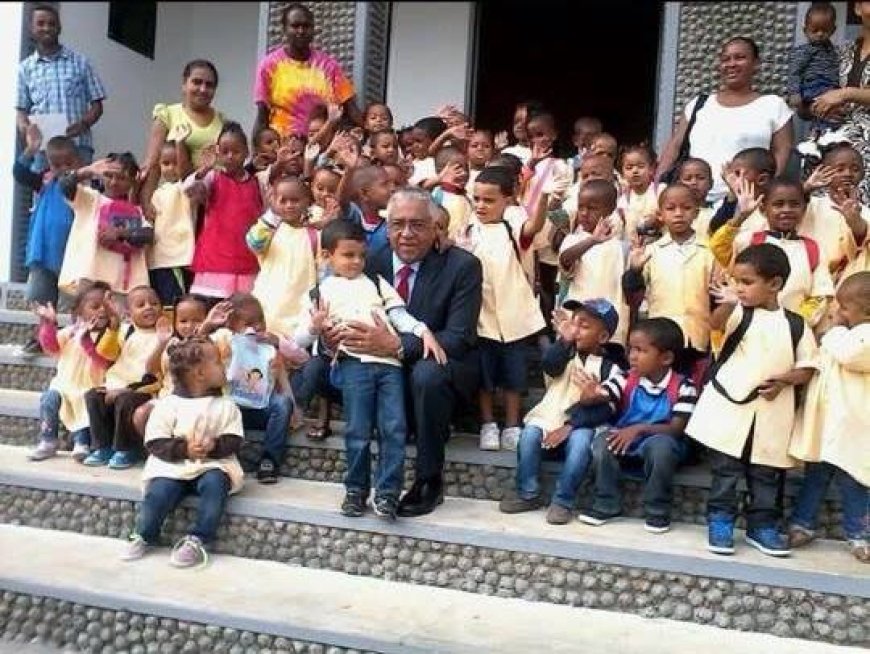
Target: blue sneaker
point(720, 534)
point(99, 457)
point(122, 460)
point(768, 540)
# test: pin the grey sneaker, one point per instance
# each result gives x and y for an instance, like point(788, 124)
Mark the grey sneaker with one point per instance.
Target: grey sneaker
point(44, 450)
point(80, 452)
point(558, 515)
point(188, 552)
point(136, 548)
point(519, 505)
point(510, 436)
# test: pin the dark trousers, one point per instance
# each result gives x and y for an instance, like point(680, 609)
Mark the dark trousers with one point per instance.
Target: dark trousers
point(433, 401)
point(170, 283)
point(660, 455)
point(765, 484)
point(112, 426)
point(313, 380)
point(163, 494)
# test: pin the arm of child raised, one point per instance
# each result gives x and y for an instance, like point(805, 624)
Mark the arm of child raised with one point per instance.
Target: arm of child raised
point(603, 232)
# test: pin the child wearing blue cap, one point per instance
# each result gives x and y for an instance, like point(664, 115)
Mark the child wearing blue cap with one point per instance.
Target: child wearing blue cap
point(558, 422)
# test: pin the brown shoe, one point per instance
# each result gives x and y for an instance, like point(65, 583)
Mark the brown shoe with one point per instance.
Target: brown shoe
point(799, 536)
point(558, 515)
point(860, 549)
point(519, 505)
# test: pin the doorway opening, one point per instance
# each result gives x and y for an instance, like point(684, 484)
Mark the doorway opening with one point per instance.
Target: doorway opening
point(592, 58)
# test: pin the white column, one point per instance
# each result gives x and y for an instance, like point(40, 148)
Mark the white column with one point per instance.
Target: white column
point(667, 74)
point(10, 34)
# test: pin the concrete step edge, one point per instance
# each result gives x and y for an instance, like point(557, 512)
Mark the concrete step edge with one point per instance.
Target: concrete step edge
point(825, 568)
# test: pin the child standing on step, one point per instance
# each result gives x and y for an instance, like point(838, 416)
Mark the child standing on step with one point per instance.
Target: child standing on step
point(82, 360)
point(193, 438)
point(559, 421)
point(698, 176)
point(640, 195)
point(833, 436)
point(746, 412)
point(128, 385)
point(653, 403)
point(510, 313)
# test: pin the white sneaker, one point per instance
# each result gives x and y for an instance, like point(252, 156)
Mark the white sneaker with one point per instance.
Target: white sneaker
point(510, 437)
point(43, 450)
point(489, 437)
point(135, 549)
point(80, 452)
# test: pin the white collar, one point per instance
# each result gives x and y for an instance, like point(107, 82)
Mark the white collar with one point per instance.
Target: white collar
point(398, 264)
point(654, 388)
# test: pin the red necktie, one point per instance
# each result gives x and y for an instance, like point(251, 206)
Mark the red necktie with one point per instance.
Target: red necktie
point(402, 281)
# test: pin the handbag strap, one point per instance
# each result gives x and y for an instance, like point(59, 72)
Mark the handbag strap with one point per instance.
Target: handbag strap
point(699, 104)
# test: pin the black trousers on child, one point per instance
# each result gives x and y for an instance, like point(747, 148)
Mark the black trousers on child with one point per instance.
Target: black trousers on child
point(112, 426)
point(765, 485)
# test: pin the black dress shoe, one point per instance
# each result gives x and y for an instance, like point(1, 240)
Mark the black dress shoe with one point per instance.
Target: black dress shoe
point(421, 498)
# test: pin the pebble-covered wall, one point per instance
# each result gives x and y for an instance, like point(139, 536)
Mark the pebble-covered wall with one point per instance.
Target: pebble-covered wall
point(704, 26)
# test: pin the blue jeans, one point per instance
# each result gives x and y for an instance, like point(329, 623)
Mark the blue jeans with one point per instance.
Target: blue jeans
point(40, 161)
point(659, 454)
point(374, 396)
point(578, 452)
point(163, 494)
point(49, 419)
point(41, 286)
point(854, 497)
point(274, 420)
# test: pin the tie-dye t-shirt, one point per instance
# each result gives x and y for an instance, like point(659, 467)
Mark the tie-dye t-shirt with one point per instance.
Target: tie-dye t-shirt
point(291, 89)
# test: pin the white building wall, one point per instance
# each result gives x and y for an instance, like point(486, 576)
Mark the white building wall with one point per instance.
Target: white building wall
point(429, 63)
point(224, 33)
point(10, 33)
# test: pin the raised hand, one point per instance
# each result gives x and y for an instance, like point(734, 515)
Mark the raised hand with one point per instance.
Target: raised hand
point(848, 205)
point(312, 151)
point(46, 312)
point(821, 177)
point(164, 329)
point(319, 317)
point(723, 293)
point(638, 255)
point(33, 138)
point(501, 140)
point(603, 231)
point(334, 112)
point(541, 151)
point(219, 315)
point(747, 203)
point(208, 157)
point(732, 177)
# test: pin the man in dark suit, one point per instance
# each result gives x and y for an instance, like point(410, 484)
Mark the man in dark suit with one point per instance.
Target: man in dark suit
point(442, 289)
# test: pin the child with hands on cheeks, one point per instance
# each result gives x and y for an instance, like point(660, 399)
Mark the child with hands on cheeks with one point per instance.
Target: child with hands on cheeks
point(746, 412)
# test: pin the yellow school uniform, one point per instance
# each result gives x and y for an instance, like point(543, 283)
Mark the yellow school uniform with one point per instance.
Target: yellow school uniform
point(764, 351)
point(803, 282)
point(639, 206)
point(85, 259)
point(598, 273)
point(552, 411)
point(182, 417)
point(458, 207)
point(835, 424)
point(829, 229)
point(137, 346)
point(510, 311)
point(288, 269)
point(678, 280)
point(701, 224)
point(76, 374)
point(173, 228)
point(860, 263)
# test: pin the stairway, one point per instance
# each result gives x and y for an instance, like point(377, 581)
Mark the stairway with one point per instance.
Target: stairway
point(465, 578)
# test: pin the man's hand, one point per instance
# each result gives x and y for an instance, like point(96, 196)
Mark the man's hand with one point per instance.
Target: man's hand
point(433, 347)
point(553, 439)
point(770, 388)
point(619, 440)
point(76, 129)
point(375, 340)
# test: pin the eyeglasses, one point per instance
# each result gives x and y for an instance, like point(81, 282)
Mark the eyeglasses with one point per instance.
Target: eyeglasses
point(413, 226)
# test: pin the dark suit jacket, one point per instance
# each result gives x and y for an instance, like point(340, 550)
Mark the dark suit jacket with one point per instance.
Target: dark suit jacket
point(446, 295)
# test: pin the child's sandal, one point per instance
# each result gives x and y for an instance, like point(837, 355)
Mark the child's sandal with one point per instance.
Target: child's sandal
point(320, 433)
point(799, 536)
point(860, 549)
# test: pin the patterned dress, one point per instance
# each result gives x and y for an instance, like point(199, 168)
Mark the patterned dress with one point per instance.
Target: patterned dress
point(857, 123)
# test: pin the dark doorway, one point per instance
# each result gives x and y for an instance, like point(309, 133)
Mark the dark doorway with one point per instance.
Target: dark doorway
point(596, 58)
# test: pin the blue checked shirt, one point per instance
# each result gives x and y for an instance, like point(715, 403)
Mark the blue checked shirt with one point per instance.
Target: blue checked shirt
point(64, 83)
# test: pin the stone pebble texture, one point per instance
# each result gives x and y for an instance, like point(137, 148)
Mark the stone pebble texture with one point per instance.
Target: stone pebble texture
point(504, 573)
point(705, 26)
point(80, 628)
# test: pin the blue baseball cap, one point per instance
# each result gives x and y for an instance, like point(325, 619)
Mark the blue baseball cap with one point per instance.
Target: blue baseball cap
point(599, 308)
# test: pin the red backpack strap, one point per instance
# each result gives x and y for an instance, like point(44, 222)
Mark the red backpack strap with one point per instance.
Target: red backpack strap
point(631, 383)
point(758, 238)
point(812, 249)
point(673, 388)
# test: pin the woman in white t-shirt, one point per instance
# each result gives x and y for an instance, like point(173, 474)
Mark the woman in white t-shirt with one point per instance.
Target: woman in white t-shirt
point(734, 118)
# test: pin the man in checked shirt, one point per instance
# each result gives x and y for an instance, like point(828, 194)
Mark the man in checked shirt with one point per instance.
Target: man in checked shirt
point(56, 80)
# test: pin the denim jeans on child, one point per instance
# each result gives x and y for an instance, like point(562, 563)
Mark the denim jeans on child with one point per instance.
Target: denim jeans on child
point(659, 454)
point(41, 286)
point(163, 494)
point(374, 397)
point(578, 452)
point(765, 485)
point(274, 420)
point(49, 419)
point(854, 498)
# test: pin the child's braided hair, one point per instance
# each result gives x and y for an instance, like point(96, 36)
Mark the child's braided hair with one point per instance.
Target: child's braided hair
point(183, 355)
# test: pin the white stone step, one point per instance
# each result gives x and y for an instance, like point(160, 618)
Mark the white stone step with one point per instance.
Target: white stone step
point(824, 566)
point(330, 607)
